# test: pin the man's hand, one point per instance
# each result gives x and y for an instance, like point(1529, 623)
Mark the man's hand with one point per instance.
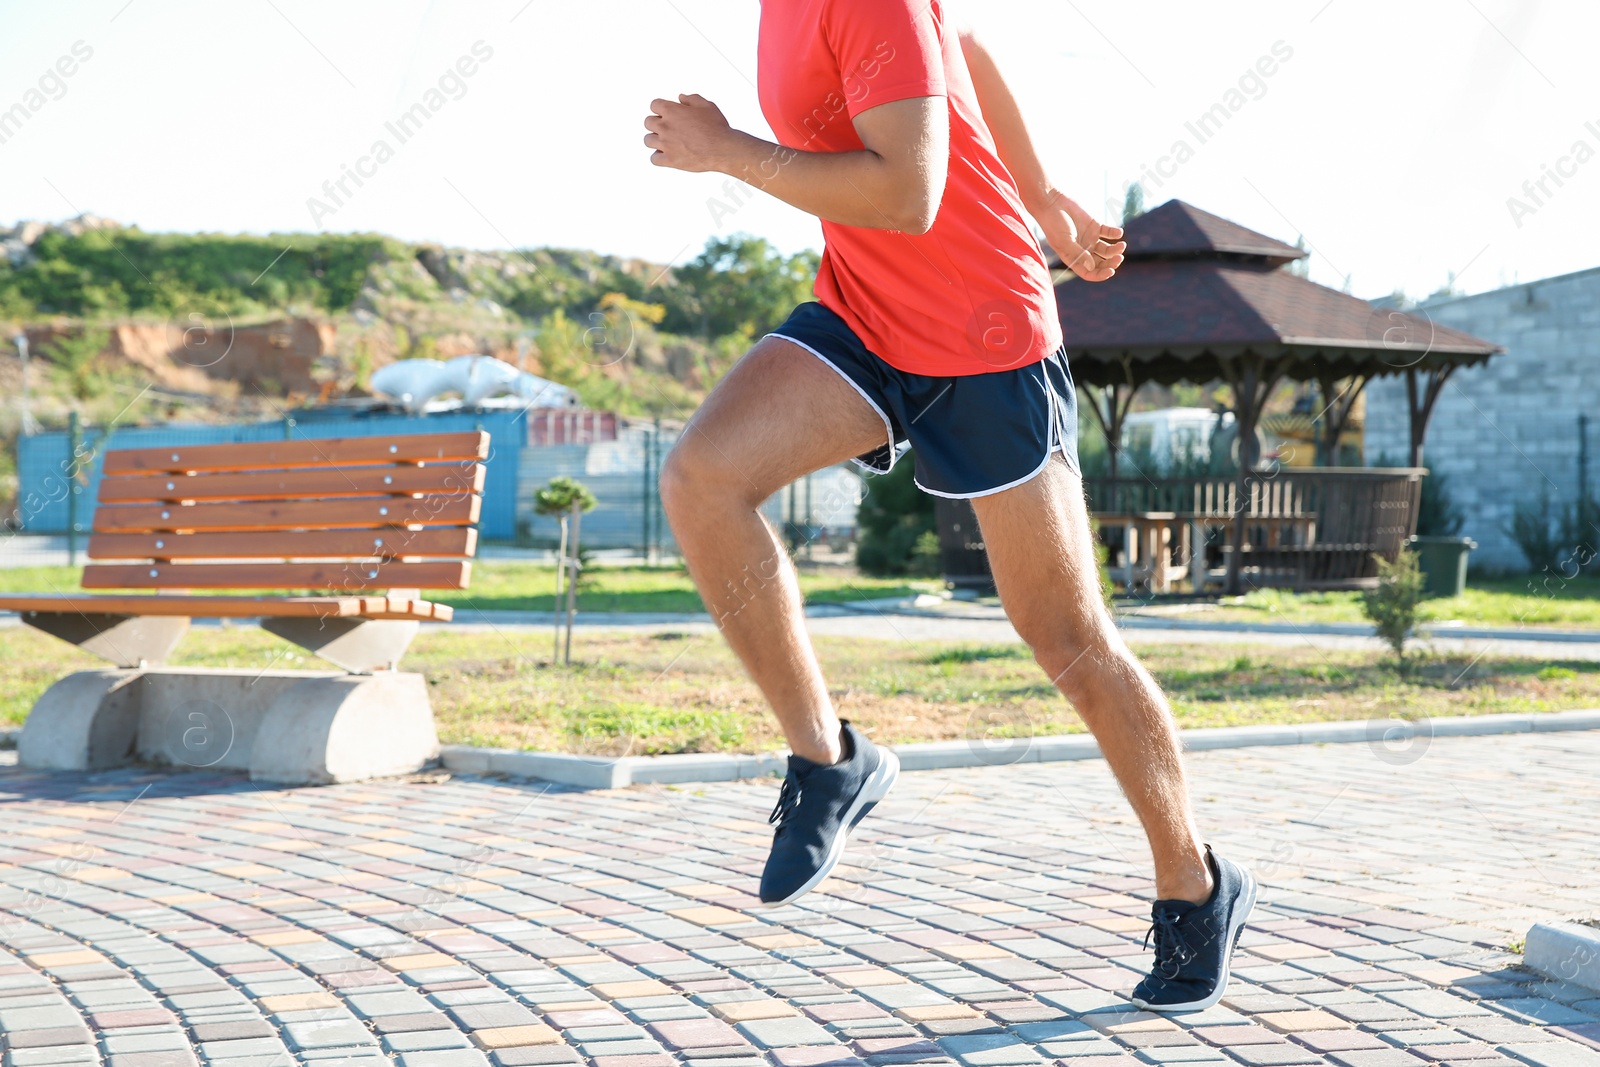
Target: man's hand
point(690, 134)
point(1090, 248)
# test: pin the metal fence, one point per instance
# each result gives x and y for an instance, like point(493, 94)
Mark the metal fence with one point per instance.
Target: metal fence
point(619, 459)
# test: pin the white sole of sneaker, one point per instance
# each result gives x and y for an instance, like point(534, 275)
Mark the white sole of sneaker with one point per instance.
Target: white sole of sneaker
point(876, 789)
point(1235, 924)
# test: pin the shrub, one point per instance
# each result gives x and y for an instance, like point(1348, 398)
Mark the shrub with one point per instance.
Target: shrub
point(1556, 539)
point(1534, 529)
point(1437, 514)
point(79, 357)
point(896, 520)
point(1393, 605)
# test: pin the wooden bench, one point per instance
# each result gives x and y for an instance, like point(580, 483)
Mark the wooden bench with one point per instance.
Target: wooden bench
point(356, 526)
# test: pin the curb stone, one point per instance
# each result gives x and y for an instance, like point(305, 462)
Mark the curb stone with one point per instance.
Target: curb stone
point(1566, 951)
point(601, 772)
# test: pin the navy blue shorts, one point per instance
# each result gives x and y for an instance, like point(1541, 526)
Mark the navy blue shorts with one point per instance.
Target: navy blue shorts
point(970, 435)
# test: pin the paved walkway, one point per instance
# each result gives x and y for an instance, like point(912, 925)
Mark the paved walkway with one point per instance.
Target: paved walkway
point(823, 619)
point(992, 918)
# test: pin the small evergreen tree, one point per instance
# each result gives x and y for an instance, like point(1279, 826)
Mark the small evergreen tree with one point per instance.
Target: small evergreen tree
point(1393, 605)
point(566, 498)
point(895, 519)
point(1132, 202)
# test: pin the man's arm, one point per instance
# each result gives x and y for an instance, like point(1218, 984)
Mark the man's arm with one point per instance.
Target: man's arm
point(894, 183)
point(1091, 248)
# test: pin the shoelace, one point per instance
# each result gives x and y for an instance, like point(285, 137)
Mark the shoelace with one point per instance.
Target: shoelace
point(788, 801)
point(1172, 952)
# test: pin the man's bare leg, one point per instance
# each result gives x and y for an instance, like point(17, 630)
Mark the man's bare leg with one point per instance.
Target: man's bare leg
point(779, 414)
point(1042, 554)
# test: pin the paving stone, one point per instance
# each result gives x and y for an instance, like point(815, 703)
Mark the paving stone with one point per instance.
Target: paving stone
point(425, 1040)
point(1272, 1054)
point(484, 1016)
point(1456, 1051)
point(231, 1030)
point(112, 1020)
point(422, 1020)
point(1583, 1033)
point(1553, 1054)
point(47, 1037)
point(56, 1056)
point(778, 1033)
point(444, 1058)
point(695, 1033)
point(534, 1056)
point(150, 1041)
point(251, 1047)
point(166, 1058)
point(1392, 1057)
point(1538, 1010)
point(813, 1056)
point(331, 1033)
point(1433, 1004)
point(1290, 1022)
point(989, 1050)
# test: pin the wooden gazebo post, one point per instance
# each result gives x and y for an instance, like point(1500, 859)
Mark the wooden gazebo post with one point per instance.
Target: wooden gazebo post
point(1110, 406)
point(1252, 379)
point(1337, 408)
point(1422, 412)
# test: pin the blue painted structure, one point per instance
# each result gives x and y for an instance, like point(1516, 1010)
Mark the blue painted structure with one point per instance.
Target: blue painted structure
point(45, 460)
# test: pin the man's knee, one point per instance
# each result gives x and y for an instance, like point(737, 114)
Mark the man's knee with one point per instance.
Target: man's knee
point(694, 477)
point(1072, 652)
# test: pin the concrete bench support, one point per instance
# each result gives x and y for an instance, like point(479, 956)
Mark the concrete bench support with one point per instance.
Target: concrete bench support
point(294, 727)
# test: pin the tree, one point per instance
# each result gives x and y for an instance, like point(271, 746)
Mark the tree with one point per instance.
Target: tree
point(567, 498)
point(737, 285)
point(897, 526)
point(1132, 202)
point(1393, 606)
point(78, 356)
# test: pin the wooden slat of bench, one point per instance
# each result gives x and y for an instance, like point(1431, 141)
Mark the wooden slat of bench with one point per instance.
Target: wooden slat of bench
point(459, 542)
point(200, 607)
point(290, 515)
point(439, 478)
point(231, 607)
point(277, 455)
point(336, 578)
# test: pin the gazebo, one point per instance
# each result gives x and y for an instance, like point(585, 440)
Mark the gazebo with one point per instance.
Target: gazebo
point(1200, 299)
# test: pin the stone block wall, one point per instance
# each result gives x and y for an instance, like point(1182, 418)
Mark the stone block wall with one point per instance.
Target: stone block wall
point(1508, 430)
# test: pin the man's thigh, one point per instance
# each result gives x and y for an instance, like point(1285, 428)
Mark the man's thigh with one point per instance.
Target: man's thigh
point(778, 415)
point(1041, 552)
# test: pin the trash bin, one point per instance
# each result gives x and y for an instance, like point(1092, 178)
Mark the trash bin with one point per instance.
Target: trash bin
point(963, 560)
point(1444, 563)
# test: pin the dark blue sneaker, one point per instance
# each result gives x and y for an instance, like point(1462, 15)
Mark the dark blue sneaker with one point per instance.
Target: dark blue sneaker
point(1195, 942)
point(816, 810)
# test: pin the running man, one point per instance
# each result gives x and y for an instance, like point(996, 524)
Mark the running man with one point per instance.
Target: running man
point(935, 325)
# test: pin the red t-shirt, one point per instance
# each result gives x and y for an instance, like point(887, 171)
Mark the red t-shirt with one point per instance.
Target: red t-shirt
point(970, 296)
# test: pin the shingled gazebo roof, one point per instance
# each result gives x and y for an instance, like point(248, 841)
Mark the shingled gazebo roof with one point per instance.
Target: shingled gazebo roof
point(1197, 292)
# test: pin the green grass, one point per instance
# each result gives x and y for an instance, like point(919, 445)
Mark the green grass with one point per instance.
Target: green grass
point(1505, 602)
point(502, 585)
point(640, 693)
point(512, 585)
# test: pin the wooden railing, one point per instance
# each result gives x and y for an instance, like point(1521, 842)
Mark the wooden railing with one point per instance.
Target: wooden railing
point(1304, 528)
point(1316, 527)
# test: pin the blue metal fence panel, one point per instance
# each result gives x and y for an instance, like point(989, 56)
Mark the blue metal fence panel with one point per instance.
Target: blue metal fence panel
point(46, 467)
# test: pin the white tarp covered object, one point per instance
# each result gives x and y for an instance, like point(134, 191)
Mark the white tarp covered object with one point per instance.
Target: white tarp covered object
point(415, 383)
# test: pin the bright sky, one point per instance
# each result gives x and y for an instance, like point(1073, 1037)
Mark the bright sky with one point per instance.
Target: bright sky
point(1392, 136)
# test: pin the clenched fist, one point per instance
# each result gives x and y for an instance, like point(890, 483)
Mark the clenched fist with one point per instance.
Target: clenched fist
point(690, 134)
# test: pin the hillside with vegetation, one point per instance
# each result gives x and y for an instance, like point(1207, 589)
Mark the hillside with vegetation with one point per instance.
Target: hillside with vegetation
point(627, 335)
